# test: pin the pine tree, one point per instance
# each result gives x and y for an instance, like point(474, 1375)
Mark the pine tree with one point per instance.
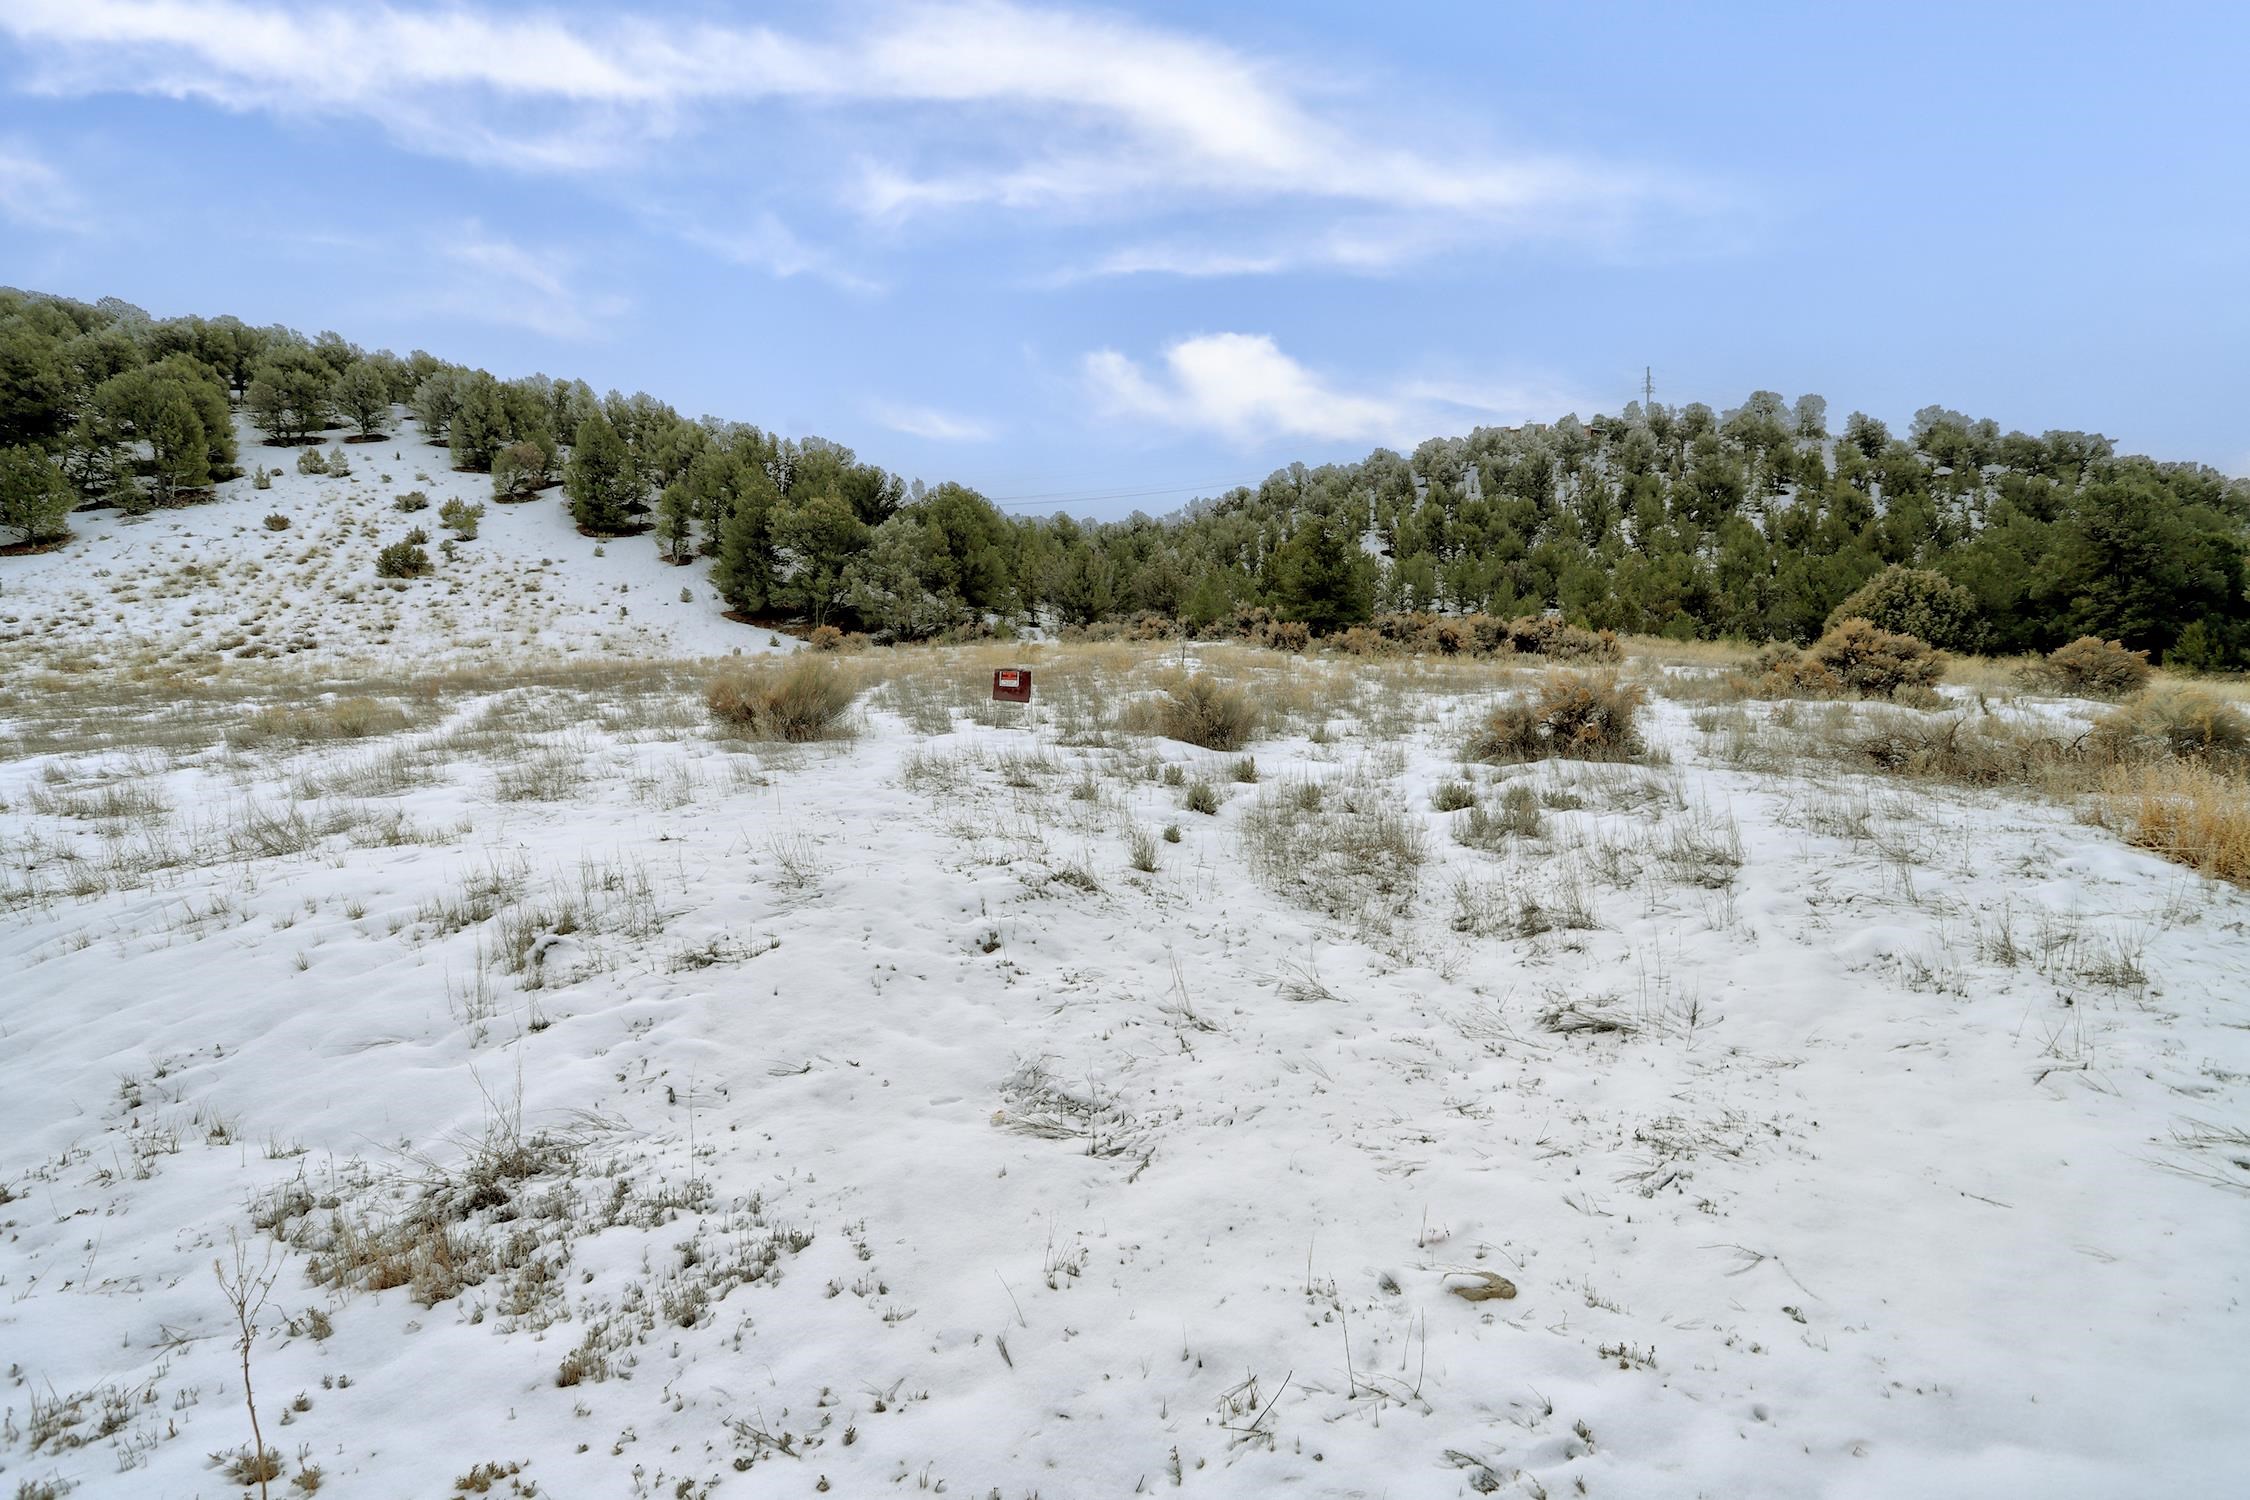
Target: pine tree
point(1321, 576)
point(34, 500)
point(744, 571)
point(599, 478)
point(675, 523)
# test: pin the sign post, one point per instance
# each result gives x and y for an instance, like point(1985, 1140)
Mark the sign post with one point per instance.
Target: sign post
point(1013, 685)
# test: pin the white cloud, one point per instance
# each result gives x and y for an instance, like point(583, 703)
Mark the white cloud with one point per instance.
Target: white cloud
point(928, 422)
point(1242, 387)
point(499, 281)
point(769, 245)
point(1005, 105)
point(35, 195)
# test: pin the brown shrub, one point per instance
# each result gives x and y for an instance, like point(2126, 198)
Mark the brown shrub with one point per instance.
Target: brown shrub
point(1362, 640)
point(2097, 668)
point(825, 638)
point(802, 698)
point(1876, 663)
point(1545, 635)
point(1782, 671)
point(1201, 710)
point(2182, 722)
point(1985, 751)
point(1574, 715)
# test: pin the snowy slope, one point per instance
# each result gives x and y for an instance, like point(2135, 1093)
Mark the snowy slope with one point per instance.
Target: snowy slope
point(888, 1129)
point(188, 584)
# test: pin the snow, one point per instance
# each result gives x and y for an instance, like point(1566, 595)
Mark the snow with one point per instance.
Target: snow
point(209, 579)
point(1864, 1163)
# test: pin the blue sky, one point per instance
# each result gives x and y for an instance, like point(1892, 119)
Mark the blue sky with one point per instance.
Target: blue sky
point(1106, 258)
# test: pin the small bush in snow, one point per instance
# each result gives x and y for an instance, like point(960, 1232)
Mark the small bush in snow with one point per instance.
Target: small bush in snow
point(803, 698)
point(1574, 715)
point(2187, 723)
point(1876, 663)
point(402, 560)
point(1452, 796)
point(412, 500)
point(309, 461)
point(1202, 710)
point(277, 522)
point(461, 518)
point(2097, 668)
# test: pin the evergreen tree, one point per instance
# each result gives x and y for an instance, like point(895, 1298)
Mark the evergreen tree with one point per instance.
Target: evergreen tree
point(1321, 576)
point(675, 523)
point(816, 540)
point(35, 502)
point(364, 395)
point(599, 478)
point(292, 394)
point(744, 570)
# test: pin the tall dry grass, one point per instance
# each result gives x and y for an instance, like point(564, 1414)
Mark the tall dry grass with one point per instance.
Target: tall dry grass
point(2192, 813)
point(804, 697)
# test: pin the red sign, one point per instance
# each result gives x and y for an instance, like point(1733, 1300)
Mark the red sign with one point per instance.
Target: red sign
point(1011, 685)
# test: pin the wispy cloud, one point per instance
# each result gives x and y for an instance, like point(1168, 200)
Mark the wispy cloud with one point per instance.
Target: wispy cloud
point(495, 280)
point(35, 195)
point(767, 244)
point(928, 422)
point(1244, 388)
point(1006, 107)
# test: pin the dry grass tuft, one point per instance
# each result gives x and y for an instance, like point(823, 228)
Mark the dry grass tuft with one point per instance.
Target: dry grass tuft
point(1573, 715)
point(339, 719)
point(804, 698)
point(2185, 722)
point(2193, 814)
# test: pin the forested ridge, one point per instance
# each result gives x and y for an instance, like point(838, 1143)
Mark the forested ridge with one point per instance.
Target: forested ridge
point(1750, 523)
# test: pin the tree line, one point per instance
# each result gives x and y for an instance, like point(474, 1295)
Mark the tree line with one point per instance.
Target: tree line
point(1752, 523)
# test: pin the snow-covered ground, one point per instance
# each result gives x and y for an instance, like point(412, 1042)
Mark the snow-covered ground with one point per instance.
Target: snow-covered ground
point(628, 1111)
point(183, 586)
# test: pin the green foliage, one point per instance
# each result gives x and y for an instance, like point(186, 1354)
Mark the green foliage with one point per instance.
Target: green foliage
point(292, 395)
point(1322, 577)
point(1916, 602)
point(817, 541)
point(745, 500)
point(1680, 522)
point(521, 470)
point(35, 502)
point(460, 518)
point(604, 490)
point(364, 396)
point(675, 523)
point(402, 559)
